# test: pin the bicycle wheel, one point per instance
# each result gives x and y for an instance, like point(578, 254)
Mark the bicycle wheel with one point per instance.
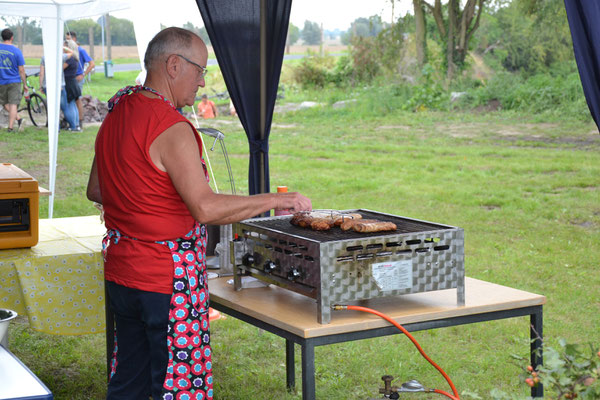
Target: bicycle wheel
point(38, 112)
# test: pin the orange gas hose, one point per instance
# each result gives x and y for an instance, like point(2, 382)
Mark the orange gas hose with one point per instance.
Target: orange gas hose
point(412, 339)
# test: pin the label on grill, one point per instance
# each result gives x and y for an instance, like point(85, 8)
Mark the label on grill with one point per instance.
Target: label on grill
point(393, 275)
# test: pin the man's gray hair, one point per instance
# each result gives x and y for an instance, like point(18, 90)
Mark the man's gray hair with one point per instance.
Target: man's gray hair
point(168, 41)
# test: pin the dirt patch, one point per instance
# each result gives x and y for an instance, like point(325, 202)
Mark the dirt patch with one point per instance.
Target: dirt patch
point(469, 130)
point(572, 141)
point(583, 224)
point(394, 127)
point(491, 106)
point(491, 207)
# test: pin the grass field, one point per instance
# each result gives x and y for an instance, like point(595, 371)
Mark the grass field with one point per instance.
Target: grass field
point(526, 191)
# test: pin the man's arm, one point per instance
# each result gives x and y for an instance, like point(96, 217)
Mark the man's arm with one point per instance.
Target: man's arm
point(215, 111)
point(176, 152)
point(93, 188)
point(91, 66)
point(23, 76)
point(86, 59)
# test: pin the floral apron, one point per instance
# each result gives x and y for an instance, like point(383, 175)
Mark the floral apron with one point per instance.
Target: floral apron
point(189, 369)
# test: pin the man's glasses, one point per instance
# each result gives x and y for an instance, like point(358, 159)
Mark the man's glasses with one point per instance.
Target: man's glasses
point(203, 70)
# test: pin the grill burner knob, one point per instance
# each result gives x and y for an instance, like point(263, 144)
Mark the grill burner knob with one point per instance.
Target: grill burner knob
point(248, 259)
point(270, 266)
point(293, 274)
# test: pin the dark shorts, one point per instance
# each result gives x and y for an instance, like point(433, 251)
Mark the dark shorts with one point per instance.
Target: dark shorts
point(10, 93)
point(142, 322)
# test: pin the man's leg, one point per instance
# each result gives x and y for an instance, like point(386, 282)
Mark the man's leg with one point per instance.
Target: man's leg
point(69, 109)
point(12, 114)
point(142, 356)
point(79, 102)
point(14, 98)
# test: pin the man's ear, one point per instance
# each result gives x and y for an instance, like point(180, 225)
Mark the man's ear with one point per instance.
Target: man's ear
point(173, 66)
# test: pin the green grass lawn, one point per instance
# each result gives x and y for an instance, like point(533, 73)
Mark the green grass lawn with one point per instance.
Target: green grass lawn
point(526, 191)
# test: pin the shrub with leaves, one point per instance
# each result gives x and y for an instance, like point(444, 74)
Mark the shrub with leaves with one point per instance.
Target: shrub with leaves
point(313, 71)
point(573, 371)
point(428, 95)
point(570, 372)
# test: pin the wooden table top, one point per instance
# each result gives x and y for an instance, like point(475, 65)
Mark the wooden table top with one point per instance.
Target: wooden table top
point(297, 314)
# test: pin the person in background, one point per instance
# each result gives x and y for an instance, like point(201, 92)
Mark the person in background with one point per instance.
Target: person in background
point(42, 75)
point(232, 111)
point(149, 175)
point(70, 92)
point(82, 71)
point(13, 81)
point(207, 108)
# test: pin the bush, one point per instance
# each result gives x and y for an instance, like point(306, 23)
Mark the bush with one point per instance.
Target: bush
point(364, 57)
point(429, 95)
point(313, 70)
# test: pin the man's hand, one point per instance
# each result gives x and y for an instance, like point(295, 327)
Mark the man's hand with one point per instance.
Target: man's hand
point(293, 201)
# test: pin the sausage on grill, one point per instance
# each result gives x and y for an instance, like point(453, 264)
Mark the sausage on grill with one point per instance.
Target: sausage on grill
point(378, 226)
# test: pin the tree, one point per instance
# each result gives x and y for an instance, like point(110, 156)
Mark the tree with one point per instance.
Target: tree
point(420, 32)
point(198, 31)
point(311, 33)
point(363, 27)
point(293, 34)
point(121, 32)
point(527, 36)
point(82, 28)
point(456, 27)
point(26, 30)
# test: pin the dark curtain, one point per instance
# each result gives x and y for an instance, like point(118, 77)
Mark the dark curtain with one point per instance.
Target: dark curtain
point(584, 21)
point(234, 27)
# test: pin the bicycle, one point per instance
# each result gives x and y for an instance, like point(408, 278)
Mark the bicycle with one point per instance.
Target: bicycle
point(35, 105)
point(220, 95)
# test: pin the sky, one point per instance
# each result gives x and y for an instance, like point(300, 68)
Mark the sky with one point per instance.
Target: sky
point(333, 14)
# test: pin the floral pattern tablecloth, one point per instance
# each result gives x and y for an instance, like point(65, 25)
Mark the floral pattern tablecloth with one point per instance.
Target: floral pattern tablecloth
point(59, 283)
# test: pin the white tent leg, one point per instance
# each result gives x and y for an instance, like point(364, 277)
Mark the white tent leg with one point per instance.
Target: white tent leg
point(52, 34)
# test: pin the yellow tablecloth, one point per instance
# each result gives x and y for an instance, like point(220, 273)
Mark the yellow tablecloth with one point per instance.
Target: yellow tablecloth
point(59, 283)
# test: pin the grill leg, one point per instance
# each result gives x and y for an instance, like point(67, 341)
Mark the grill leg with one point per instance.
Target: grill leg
point(290, 367)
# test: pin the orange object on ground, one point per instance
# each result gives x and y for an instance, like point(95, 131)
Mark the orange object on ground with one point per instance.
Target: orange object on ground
point(213, 314)
point(19, 208)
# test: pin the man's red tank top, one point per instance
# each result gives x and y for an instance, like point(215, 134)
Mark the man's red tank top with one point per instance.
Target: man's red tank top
point(139, 200)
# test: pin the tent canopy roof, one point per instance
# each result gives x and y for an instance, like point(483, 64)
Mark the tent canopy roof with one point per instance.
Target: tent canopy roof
point(60, 9)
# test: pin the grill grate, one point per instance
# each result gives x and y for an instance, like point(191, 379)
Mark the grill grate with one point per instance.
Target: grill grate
point(404, 225)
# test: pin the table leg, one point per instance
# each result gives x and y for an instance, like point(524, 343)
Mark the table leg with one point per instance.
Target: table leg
point(308, 371)
point(290, 367)
point(537, 356)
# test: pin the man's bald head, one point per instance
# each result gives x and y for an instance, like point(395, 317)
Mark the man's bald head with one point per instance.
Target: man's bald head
point(169, 41)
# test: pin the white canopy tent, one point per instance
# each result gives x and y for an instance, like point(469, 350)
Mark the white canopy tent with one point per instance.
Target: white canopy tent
point(53, 14)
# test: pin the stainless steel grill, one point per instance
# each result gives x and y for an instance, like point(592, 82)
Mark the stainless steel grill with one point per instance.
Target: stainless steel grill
point(335, 266)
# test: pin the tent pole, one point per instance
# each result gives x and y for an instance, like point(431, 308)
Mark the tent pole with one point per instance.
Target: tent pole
point(263, 88)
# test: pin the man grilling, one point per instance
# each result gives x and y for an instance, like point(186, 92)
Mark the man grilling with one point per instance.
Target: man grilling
point(149, 175)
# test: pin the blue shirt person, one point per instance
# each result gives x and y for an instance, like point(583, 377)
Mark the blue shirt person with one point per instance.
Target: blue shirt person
point(12, 77)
